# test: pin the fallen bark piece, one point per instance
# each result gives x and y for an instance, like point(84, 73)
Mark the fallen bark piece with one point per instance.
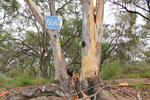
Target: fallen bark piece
point(5, 93)
point(122, 84)
point(84, 95)
point(146, 84)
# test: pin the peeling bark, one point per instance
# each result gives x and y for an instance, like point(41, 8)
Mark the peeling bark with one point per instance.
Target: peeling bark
point(91, 51)
point(59, 62)
point(91, 35)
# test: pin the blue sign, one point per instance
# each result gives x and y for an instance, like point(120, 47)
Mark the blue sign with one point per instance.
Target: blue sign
point(51, 22)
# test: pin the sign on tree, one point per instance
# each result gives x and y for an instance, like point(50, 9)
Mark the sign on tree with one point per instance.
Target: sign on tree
point(51, 22)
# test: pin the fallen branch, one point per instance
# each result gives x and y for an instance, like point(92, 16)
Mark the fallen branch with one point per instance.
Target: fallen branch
point(145, 94)
point(128, 93)
point(125, 92)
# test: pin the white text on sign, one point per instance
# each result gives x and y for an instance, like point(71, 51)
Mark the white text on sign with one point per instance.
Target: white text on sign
point(51, 22)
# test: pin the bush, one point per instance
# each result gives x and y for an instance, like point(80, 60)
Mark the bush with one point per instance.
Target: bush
point(2, 85)
point(136, 67)
point(146, 75)
point(3, 78)
point(22, 81)
point(111, 70)
point(42, 81)
point(25, 81)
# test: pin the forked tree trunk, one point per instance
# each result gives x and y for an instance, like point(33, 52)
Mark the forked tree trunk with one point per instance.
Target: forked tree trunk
point(87, 82)
point(92, 27)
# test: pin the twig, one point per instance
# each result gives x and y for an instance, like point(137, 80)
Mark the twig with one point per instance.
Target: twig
point(95, 94)
point(113, 94)
point(83, 90)
point(125, 92)
point(130, 94)
point(145, 94)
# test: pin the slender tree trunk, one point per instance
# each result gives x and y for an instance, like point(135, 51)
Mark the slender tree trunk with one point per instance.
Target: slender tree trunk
point(34, 72)
point(59, 62)
point(44, 71)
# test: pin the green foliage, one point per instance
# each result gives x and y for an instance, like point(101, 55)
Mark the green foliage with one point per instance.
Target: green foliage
point(136, 67)
point(3, 78)
point(116, 69)
point(111, 70)
point(2, 85)
point(15, 74)
point(70, 41)
point(6, 89)
point(146, 74)
point(31, 38)
point(42, 81)
point(147, 56)
point(2, 98)
point(22, 81)
point(105, 50)
point(132, 75)
point(25, 81)
point(138, 85)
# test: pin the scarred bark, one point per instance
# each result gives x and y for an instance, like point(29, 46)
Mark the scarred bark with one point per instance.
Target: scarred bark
point(91, 46)
point(91, 35)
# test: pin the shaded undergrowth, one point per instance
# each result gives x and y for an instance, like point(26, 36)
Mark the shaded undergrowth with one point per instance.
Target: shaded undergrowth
point(115, 69)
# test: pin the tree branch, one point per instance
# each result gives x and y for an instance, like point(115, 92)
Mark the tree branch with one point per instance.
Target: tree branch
point(130, 11)
point(63, 6)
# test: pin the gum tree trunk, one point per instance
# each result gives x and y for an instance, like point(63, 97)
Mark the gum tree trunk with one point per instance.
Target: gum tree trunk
point(59, 62)
point(92, 27)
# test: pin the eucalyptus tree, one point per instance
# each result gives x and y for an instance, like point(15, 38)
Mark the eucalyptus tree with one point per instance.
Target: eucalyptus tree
point(123, 41)
point(71, 42)
point(139, 7)
point(91, 48)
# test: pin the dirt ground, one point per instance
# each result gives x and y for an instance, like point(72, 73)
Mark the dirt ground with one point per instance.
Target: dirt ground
point(129, 88)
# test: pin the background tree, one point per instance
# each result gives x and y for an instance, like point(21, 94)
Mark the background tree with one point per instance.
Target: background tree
point(122, 40)
point(29, 43)
point(134, 6)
